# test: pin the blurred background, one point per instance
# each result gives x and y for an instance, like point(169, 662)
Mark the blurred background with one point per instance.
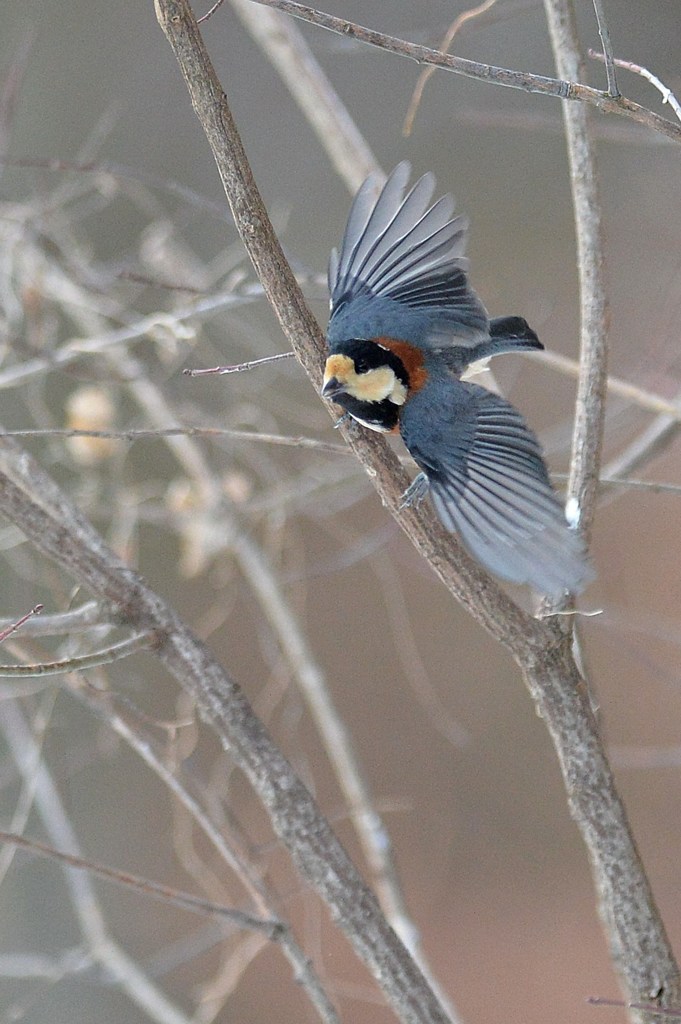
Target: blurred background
point(114, 231)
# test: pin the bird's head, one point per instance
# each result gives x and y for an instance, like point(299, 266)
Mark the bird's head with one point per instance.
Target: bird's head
point(364, 371)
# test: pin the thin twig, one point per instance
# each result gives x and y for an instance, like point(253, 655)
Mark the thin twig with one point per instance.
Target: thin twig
point(608, 58)
point(659, 1011)
point(146, 887)
point(77, 620)
point(239, 367)
point(427, 74)
point(156, 433)
point(79, 664)
point(209, 13)
point(14, 626)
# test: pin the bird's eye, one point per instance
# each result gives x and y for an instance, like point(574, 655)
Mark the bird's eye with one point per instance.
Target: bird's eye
point(361, 366)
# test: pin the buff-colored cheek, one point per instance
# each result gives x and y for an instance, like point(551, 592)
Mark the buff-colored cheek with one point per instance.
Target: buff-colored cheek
point(375, 385)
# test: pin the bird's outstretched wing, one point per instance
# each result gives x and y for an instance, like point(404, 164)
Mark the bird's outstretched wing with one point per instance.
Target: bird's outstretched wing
point(489, 484)
point(400, 270)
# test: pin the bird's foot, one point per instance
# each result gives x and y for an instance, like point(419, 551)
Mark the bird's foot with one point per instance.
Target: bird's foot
point(416, 492)
point(344, 421)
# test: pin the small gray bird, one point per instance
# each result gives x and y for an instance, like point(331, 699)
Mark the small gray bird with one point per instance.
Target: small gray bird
point(405, 324)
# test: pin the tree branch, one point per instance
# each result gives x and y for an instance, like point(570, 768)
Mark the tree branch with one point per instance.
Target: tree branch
point(524, 80)
point(589, 415)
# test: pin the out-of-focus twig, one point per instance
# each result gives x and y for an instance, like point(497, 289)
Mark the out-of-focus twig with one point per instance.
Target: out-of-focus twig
point(10, 89)
point(649, 444)
point(445, 43)
point(174, 323)
point(79, 664)
point(14, 626)
point(615, 385)
point(337, 132)
point(145, 886)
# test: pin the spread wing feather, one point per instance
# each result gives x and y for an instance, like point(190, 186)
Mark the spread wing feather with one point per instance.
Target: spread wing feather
point(407, 257)
point(489, 484)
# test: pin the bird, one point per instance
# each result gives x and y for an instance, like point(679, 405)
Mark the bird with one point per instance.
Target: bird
point(405, 325)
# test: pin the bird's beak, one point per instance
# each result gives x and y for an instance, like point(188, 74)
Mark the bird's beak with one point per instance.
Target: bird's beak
point(332, 387)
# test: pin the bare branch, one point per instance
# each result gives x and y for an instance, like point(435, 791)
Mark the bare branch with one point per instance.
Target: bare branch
point(56, 528)
point(566, 90)
point(640, 972)
point(587, 437)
